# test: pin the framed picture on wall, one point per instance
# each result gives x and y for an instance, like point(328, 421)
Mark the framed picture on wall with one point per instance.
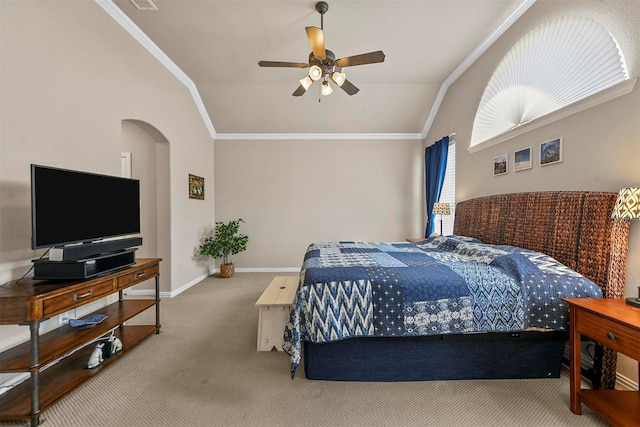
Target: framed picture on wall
point(551, 152)
point(522, 159)
point(196, 187)
point(500, 165)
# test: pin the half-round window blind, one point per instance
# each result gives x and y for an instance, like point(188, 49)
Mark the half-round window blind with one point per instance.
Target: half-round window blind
point(556, 64)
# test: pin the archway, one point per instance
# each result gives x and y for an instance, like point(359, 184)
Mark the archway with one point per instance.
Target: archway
point(148, 151)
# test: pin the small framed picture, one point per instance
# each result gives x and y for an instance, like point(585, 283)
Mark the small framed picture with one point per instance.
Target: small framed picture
point(196, 187)
point(551, 152)
point(500, 165)
point(522, 159)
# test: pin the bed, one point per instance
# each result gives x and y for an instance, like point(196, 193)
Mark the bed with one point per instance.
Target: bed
point(371, 311)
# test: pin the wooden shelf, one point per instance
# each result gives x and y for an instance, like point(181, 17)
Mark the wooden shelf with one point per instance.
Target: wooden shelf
point(617, 407)
point(60, 379)
point(62, 355)
point(65, 339)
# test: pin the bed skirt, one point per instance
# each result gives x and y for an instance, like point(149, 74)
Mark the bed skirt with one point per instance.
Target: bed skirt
point(528, 354)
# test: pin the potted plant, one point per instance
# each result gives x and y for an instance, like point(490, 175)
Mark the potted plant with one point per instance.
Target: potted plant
point(225, 242)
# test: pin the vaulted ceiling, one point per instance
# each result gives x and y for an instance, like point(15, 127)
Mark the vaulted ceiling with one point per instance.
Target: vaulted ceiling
point(218, 44)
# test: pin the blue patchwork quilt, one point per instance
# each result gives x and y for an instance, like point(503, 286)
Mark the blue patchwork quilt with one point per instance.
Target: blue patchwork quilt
point(443, 285)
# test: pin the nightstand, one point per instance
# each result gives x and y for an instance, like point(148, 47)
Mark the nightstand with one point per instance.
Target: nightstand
point(614, 324)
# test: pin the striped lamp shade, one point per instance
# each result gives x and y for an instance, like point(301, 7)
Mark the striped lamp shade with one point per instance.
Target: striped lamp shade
point(628, 204)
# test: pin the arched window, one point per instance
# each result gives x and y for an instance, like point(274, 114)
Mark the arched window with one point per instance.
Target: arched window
point(556, 64)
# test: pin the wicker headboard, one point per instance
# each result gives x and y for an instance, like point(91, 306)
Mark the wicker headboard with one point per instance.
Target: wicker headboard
point(574, 227)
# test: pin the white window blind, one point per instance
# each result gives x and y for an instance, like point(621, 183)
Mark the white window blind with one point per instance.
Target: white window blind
point(448, 193)
point(556, 64)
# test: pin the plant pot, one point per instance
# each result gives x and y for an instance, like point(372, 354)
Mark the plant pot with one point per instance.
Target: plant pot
point(227, 270)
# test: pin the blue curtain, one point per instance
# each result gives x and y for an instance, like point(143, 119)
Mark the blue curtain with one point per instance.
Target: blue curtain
point(435, 164)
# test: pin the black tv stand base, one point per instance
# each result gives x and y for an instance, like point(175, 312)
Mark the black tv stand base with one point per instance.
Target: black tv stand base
point(80, 269)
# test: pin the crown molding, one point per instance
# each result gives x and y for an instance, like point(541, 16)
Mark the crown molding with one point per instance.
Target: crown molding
point(135, 31)
point(281, 136)
point(476, 53)
point(126, 23)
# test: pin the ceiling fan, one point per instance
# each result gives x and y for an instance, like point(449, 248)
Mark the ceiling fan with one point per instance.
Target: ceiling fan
point(323, 64)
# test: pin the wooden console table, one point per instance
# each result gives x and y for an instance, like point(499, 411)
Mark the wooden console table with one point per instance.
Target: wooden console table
point(614, 324)
point(30, 302)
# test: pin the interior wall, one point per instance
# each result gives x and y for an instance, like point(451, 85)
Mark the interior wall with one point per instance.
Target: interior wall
point(70, 76)
point(163, 217)
point(148, 164)
point(292, 193)
point(601, 146)
point(139, 143)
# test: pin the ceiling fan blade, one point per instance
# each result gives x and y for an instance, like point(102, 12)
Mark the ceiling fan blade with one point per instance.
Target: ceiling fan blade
point(316, 40)
point(300, 91)
point(282, 64)
point(362, 59)
point(349, 87)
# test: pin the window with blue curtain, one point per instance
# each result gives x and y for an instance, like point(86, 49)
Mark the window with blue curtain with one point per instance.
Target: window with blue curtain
point(435, 162)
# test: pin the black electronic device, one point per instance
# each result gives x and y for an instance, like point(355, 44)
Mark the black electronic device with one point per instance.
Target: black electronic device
point(635, 302)
point(70, 206)
point(80, 269)
point(74, 252)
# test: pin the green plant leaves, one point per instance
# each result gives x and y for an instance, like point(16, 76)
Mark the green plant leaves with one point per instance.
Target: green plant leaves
point(225, 242)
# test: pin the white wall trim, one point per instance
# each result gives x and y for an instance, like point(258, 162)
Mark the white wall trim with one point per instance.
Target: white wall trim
point(181, 289)
point(10, 380)
point(174, 293)
point(186, 286)
point(625, 383)
point(135, 31)
point(282, 136)
point(613, 92)
point(485, 44)
point(148, 44)
point(269, 270)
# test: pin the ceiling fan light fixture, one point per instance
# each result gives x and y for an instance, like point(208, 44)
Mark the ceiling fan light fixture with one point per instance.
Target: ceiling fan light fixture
point(315, 72)
point(322, 62)
point(326, 88)
point(339, 77)
point(306, 82)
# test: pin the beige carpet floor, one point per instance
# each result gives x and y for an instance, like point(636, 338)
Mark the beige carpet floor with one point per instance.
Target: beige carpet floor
point(203, 370)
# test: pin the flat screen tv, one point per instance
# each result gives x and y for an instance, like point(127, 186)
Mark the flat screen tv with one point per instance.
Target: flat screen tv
point(69, 206)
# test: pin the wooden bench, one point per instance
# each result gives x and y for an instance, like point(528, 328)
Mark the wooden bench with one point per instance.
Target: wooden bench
point(275, 303)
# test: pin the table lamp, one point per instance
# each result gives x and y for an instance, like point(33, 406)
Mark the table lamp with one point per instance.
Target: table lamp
point(441, 209)
point(628, 207)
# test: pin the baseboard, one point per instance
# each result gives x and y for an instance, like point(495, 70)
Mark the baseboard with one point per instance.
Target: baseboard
point(181, 289)
point(268, 270)
point(624, 383)
point(10, 380)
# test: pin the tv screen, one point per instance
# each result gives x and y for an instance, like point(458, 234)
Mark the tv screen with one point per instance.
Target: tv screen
point(70, 206)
